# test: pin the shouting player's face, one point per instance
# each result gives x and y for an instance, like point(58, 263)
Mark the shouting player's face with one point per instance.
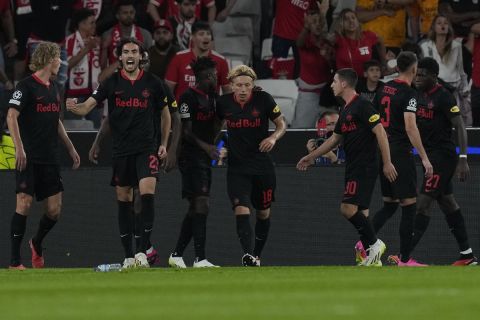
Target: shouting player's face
point(242, 87)
point(130, 57)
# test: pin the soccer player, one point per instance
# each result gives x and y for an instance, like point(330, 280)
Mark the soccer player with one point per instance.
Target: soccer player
point(250, 174)
point(397, 103)
point(35, 126)
point(200, 127)
point(360, 130)
point(135, 100)
point(436, 114)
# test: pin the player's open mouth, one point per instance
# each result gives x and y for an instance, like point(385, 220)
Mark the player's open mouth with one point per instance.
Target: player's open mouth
point(130, 62)
point(206, 43)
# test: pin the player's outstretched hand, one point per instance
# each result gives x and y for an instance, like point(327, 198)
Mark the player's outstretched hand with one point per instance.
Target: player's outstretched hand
point(75, 157)
point(170, 162)
point(463, 170)
point(304, 163)
point(162, 152)
point(428, 168)
point(93, 153)
point(71, 104)
point(390, 172)
point(267, 144)
point(20, 159)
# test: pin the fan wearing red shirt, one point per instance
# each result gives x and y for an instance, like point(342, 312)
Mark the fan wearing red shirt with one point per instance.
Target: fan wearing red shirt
point(180, 77)
point(158, 9)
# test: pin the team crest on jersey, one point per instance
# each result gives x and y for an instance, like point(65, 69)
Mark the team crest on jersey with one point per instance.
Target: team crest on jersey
point(276, 109)
point(17, 95)
point(255, 113)
point(455, 109)
point(349, 117)
point(412, 105)
point(146, 93)
point(374, 118)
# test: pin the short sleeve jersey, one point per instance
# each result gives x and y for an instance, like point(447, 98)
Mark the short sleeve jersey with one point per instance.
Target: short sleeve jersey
point(198, 108)
point(39, 107)
point(247, 126)
point(355, 124)
point(133, 106)
point(435, 110)
point(396, 98)
point(289, 16)
point(351, 53)
point(180, 72)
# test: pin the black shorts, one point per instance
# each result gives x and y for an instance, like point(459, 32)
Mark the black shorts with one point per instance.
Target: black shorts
point(359, 185)
point(39, 180)
point(405, 186)
point(129, 170)
point(259, 190)
point(444, 166)
point(196, 181)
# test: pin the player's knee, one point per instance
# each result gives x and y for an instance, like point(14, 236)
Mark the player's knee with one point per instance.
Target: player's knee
point(201, 205)
point(24, 202)
point(241, 210)
point(348, 210)
point(263, 214)
point(424, 203)
point(54, 209)
point(448, 204)
point(407, 201)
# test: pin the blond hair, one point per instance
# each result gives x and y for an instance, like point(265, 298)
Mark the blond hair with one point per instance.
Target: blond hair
point(44, 54)
point(241, 70)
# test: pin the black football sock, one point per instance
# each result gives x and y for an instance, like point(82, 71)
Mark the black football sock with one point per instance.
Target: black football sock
point(45, 225)
point(185, 235)
point(199, 228)
point(148, 214)
point(456, 223)
point(383, 215)
point(244, 232)
point(420, 226)
point(125, 227)
point(364, 228)
point(406, 231)
point(262, 227)
point(17, 230)
point(139, 233)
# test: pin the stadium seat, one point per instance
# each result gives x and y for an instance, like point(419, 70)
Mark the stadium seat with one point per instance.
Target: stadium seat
point(246, 8)
point(235, 48)
point(78, 125)
point(285, 93)
point(232, 27)
point(267, 50)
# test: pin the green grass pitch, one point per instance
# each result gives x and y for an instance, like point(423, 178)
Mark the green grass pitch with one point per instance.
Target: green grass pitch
point(243, 293)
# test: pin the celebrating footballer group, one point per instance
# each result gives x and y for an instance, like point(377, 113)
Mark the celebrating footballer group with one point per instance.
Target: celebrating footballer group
point(378, 138)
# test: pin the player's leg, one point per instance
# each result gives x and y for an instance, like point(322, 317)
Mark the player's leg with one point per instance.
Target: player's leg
point(48, 187)
point(390, 204)
point(422, 218)
point(263, 194)
point(456, 223)
point(146, 187)
point(239, 188)
point(199, 228)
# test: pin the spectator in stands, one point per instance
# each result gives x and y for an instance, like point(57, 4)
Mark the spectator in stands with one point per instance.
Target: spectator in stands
point(289, 17)
point(104, 12)
point(161, 9)
point(370, 85)
point(224, 8)
point(49, 21)
point(316, 58)
point(125, 28)
point(182, 23)
point(442, 46)
point(22, 16)
point(387, 18)
point(8, 28)
point(353, 47)
point(180, 76)
point(474, 46)
point(421, 15)
point(83, 54)
point(163, 51)
point(325, 126)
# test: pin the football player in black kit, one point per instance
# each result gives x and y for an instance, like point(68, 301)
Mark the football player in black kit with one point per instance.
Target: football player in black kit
point(35, 126)
point(359, 129)
point(397, 103)
point(200, 127)
point(250, 174)
point(437, 112)
point(135, 99)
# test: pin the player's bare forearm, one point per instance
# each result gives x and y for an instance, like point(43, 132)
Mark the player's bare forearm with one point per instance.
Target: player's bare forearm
point(176, 131)
point(280, 128)
point(330, 144)
point(382, 140)
point(81, 109)
point(62, 133)
point(459, 126)
point(12, 123)
point(166, 123)
point(102, 132)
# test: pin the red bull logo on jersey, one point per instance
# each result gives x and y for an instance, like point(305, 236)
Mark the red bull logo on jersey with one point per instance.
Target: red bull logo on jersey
point(244, 123)
point(348, 127)
point(204, 116)
point(425, 113)
point(131, 103)
point(51, 107)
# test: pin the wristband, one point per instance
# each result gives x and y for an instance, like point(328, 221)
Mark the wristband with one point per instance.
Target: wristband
point(463, 156)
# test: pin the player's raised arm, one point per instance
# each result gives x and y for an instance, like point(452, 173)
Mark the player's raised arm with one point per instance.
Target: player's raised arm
point(331, 143)
point(81, 109)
